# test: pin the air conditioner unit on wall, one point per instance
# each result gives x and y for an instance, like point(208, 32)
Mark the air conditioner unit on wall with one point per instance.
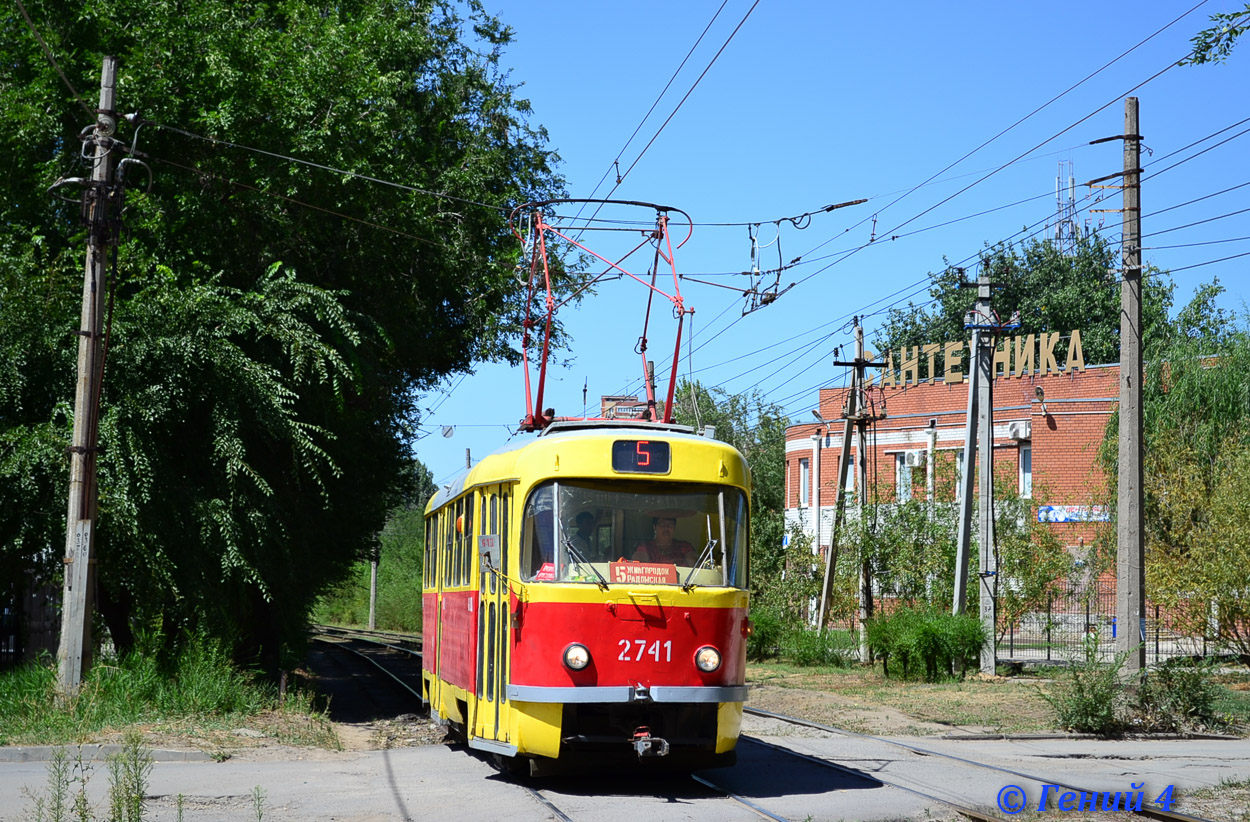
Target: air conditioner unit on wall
point(914, 459)
point(1022, 430)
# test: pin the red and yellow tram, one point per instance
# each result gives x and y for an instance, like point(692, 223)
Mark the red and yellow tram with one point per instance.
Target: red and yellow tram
point(585, 594)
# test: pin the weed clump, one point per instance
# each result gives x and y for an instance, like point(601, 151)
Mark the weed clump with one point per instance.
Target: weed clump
point(1089, 697)
point(913, 640)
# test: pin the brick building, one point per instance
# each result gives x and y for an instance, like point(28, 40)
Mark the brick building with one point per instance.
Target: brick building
point(1048, 440)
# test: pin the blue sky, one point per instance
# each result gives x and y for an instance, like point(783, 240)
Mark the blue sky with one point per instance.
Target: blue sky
point(813, 103)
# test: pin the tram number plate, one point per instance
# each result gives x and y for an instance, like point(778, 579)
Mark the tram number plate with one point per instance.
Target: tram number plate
point(641, 457)
point(639, 650)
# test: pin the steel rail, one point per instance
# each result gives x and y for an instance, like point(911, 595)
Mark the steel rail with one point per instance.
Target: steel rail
point(374, 637)
point(1150, 813)
point(743, 800)
point(374, 662)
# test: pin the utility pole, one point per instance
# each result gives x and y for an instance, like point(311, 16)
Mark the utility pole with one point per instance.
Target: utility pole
point(855, 414)
point(1130, 555)
point(980, 433)
point(99, 201)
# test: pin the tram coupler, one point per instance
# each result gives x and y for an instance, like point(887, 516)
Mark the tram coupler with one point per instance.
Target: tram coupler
point(647, 745)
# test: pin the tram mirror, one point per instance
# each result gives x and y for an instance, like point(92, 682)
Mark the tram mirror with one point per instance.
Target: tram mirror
point(488, 550)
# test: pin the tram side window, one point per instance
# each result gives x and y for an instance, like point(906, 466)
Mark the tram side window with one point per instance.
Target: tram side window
point(444, 525)
point(538, 536)
point(426, 571)
point(458, 569)
point(503, 533)
point(470, 540)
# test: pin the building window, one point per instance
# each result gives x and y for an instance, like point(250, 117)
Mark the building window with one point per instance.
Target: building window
point(805, 482)
point(1026, 471)
point(902, 478)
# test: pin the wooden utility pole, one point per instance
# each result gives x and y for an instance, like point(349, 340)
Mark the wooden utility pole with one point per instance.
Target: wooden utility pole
point(74, 652)
point(1130, 555)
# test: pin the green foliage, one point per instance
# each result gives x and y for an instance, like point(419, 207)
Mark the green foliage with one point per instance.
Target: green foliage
point(129, 770)
point(66, 789)
point(199, 682)
point(921, 639)
point(1213, 45)
point(807, 647)
point(400, 560)
point(266, 353)
point(1196, 403)
point(1178, 695)
point(767, 629)
point(1052, 291)
point(1088, 696)
point(758, 430)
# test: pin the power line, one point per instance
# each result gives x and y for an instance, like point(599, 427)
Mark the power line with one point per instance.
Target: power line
point(1192, 245)
point(680, 103)
point(1021, 120)
point(51, 59)
point(293, 201)
point(332, 169)
point(1209, 262)
point(660, 96)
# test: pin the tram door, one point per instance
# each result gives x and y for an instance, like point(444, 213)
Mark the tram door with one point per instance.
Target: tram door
point(493, 614)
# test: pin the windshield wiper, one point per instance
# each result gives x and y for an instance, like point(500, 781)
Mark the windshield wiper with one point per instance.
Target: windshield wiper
point(581, 560)
point(688, 586)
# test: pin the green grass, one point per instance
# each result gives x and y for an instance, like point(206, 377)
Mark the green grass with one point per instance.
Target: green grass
point(199, 693)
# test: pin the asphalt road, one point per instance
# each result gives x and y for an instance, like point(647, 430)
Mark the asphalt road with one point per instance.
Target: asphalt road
point(449, 783)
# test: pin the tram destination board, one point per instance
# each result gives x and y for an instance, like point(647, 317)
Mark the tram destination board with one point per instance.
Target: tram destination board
point(641, 457)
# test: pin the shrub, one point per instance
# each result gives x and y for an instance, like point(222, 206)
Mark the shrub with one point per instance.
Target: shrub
point(1180, 694)
point(1088, 697)
point(767, 628)
point(942, 644)
point(804, 646)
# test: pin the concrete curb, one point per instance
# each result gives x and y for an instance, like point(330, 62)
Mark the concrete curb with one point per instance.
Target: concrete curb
point(93, 753)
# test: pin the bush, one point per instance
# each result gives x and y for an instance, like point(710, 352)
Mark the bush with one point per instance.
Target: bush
point(1178, 695)
point(767, 628)
point(1089, 697)
point(941, 643)
point(807, 647)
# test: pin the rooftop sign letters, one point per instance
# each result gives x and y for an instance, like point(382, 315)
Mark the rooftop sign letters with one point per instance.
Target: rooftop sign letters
point(1026, 356)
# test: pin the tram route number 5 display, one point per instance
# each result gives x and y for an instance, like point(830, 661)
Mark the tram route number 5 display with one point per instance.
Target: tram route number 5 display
point(641, 457)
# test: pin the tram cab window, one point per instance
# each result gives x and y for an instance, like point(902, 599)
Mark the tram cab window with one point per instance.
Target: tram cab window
point(643, 532)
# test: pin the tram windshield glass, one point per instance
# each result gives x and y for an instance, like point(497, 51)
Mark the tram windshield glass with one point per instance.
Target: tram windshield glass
point(636, 533)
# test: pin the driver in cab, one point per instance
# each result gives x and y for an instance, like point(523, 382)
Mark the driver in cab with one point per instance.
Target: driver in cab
point(663, 548)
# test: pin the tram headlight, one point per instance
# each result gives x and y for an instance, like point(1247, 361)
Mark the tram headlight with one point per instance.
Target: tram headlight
point(707, 659)
point(576, 656)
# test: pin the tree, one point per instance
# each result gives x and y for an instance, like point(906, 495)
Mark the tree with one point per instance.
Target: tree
point(1051, 290)
point(1196, 403)
point(272, 321)
point(758, 430)
point(1213, 45)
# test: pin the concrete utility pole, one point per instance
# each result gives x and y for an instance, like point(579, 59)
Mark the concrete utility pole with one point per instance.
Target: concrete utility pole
point(74, 652)
point(1130, 556)
point(980, 429)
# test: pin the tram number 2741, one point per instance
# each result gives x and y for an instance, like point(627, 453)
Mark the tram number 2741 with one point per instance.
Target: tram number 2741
point(642, 651)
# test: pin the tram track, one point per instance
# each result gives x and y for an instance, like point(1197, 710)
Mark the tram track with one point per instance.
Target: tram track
point(382, 650)
point(1148, 813)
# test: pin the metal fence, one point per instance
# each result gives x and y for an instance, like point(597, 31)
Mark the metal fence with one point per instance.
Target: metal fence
point(1074, 614)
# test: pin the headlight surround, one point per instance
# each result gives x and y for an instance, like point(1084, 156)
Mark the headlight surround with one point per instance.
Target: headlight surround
point(707, 659)
point(576, 656)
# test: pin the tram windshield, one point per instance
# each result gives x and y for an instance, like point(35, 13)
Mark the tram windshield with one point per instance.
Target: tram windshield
point(637, 533)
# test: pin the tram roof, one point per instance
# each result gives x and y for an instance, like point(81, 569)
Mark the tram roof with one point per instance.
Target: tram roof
point(569, 429)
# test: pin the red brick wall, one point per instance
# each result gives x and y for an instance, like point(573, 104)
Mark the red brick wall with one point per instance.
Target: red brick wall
point(1065, 440)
